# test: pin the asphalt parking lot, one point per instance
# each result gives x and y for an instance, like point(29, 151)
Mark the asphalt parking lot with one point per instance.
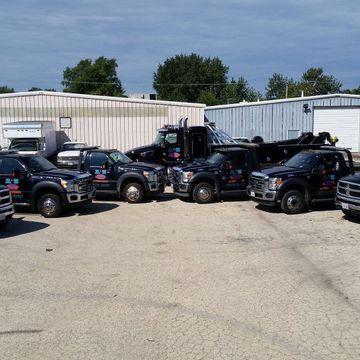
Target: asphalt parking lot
point(175, 280)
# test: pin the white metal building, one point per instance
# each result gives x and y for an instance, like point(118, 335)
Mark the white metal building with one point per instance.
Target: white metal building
point(273, 120)
point(110, 122)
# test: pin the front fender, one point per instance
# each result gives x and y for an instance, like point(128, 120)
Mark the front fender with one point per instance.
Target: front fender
point(48, 185)
point(294, 183)
point(205, 177)
point(134, 176)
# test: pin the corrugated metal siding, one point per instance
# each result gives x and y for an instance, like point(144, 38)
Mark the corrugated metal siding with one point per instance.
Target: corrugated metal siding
point(272, 121)
point(106, 122)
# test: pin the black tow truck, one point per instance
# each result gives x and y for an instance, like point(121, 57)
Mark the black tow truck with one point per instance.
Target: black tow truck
point(179, 144)
point(35, 182)
point(226, 170)
point(309, 176)
point(176, 144)
point(6, 205)
point(114, 173)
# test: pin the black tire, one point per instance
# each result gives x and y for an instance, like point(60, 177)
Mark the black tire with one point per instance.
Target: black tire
point(3, 222)
point(293, 202)
point(133, 193)
point(49, 206)
point(203, 193)
point(348, 213)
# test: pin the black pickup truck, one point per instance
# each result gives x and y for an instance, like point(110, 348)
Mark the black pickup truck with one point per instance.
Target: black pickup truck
point(226, 170)
point(348, 195)
point(113, 172)
point(309, 176)
point(6, 205)
point(33, 181)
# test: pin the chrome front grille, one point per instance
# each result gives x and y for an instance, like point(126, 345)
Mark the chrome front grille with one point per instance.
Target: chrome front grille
point(5, 197)
point(349, 190)
point(175, 176)
point(85, 185)
point(69, 158)
point(257, 182)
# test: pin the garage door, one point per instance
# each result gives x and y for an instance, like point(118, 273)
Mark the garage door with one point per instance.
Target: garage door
point(343, 123)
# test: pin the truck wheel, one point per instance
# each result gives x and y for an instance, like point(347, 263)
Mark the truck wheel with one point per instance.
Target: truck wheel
point(3, 222)
point(133, 193)
point(293, 202)
point(203, 193)
point(49, 206)
point(347, 213)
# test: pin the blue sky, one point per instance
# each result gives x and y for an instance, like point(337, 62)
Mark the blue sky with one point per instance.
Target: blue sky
point(255, 38)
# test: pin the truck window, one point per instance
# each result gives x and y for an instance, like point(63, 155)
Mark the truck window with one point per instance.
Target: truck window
point(171, 138)
point(303, 160)
point(8, 165)
point(238, 161)
point(98, 159)
point(24, 145)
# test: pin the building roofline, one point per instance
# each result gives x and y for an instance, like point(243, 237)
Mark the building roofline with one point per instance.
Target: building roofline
point(100, 97)
point(278, 101)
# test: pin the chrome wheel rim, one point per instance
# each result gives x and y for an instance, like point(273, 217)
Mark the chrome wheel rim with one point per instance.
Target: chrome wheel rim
point(293, 202)
point(49, 206)
point(133, 193)
point(204, 194)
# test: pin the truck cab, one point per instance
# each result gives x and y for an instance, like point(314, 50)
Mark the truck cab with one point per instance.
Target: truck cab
point(176, 144)
point(113, 172)
point(35, 182)
point(308, 176)
point(226, 170)
point(6, 205)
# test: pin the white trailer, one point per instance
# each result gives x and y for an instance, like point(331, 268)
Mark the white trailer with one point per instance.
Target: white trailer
point(31, 137)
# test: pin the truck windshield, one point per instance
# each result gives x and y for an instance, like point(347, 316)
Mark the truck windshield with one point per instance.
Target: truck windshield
point(38, 164)
point(303, 161)
point(118, 156)
point(73, 146)
point(160, 138)
point(24, 145)
point(216, 158)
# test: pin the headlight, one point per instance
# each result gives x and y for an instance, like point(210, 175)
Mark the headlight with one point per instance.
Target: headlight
point(68, 185)
point(274, 183)
point(150, 176)
point(186, 176)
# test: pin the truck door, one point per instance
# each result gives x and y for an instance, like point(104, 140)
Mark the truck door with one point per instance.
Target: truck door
point(15, 177)
point(198, 143)
point(326, 175)
point(101, 168)
point(173, 148)
point(236, 172)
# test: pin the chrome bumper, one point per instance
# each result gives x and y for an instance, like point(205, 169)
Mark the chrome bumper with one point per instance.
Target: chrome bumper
point(74, 197)
point(6, 211)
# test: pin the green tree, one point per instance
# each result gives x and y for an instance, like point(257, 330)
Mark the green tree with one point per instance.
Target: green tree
point(95, 78)
point(208, 97)
point(280, 87)
point(185, 77)
point(6, 89)
point(40, 89)
point(237, 91)
point(315, 82)
point(355, 91)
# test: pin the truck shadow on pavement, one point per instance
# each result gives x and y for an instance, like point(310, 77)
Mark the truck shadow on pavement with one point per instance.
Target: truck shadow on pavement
point(352, 219)
point(91, 209)
point(18, 226)
point(313, 207)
